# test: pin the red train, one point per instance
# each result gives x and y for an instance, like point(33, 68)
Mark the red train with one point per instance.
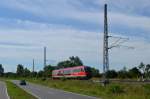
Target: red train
point(79, 72)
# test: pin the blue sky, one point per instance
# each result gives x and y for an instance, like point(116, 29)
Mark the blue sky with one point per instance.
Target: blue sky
point(72, 28)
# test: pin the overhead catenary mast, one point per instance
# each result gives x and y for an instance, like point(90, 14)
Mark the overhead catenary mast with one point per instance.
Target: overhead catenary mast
point(33, 66)
point(44, 56)
point(107, 47)
point(105, 44)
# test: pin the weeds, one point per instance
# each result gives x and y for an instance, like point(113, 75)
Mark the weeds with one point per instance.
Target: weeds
point(115, 89)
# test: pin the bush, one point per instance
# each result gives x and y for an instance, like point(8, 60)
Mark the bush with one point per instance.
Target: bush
point(147, 88)
point(115, 89)
point(43, 79)
point(63, 79)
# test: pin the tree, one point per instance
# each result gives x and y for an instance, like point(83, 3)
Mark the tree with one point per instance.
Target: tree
point(142, 68)
point(26, 72)
point(123, 73)
point(147, 71)
point(134, 73)
point(73, 61)
point(40, 73)
point(20, 70)
point(1, 70)
point(95, 72)
point(10, 74)
point(64, 64)
point(48, 71)
point(34, 74)
point(111, 74)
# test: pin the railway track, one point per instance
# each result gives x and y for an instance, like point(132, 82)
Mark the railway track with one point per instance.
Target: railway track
point(124, 81)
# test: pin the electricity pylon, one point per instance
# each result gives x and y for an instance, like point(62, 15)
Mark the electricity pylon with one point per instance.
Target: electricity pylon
point(44, 56)
point(106, 46)
point(33, 66)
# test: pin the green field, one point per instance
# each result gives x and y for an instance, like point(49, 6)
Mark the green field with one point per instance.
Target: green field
point(112, 91)
point(16, 92)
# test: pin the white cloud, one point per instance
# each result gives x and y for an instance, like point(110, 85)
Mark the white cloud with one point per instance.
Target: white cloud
point(135, 22)
point(130, 7)
point(61, 43)
point(64, 41)
point(130, 57)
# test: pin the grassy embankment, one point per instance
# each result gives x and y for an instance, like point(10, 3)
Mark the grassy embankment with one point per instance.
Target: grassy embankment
point(112, 91)
point(17, 93)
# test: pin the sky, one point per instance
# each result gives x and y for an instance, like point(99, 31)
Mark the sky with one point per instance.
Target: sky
point(72, 28)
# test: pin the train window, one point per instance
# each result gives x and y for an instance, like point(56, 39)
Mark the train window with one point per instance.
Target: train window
point(60, 72)
point(82, 70)
point(77, 70)
point(55, 72)
point(67, 72)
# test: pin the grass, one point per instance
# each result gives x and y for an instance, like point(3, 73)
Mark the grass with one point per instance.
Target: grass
point(17, 93)
point(112, 91)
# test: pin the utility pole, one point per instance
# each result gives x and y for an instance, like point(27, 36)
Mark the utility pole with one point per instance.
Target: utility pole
point(33, 66)
point(105, 45)
point(44, 56)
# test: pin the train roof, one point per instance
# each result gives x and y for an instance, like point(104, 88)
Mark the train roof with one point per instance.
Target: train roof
point(68, 68)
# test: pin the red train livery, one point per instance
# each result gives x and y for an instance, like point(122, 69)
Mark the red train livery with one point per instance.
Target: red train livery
point(81, 72)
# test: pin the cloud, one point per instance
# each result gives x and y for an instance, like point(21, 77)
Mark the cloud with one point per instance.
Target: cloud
point(70, 13)
point(64, 42)
point(130, 57)
point(72, 28)
point(130, 7)
point(25, 44)
point(130, 25)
